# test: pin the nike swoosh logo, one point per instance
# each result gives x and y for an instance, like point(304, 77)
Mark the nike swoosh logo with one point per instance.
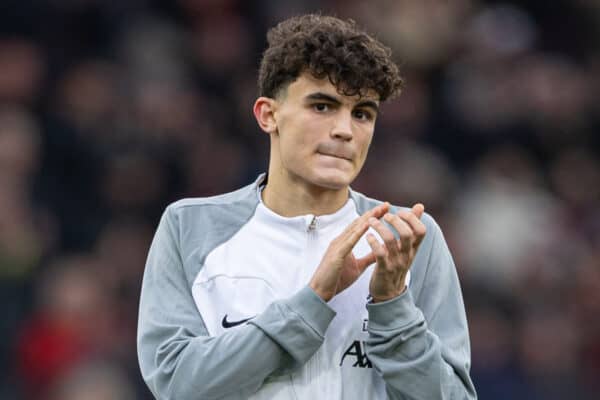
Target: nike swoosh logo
point(230, 324)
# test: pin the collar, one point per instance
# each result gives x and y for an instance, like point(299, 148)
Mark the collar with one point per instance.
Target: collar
point(263, 213)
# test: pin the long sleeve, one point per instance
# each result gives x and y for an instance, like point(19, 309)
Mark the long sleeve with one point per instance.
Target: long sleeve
point(422, 349)
point(179, 360)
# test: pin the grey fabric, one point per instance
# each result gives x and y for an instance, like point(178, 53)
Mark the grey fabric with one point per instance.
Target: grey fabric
point(418, 342)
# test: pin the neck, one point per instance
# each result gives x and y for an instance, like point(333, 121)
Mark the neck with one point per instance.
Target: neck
point(292, 197)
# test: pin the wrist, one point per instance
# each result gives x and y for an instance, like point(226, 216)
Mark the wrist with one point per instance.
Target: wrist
point(322, 294)
point(380, 298)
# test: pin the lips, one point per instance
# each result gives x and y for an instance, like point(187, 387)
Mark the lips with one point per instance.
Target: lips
point(336, 156)
point(337, 152)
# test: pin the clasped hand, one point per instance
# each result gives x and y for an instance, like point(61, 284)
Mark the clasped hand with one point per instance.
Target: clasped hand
point(339, 268)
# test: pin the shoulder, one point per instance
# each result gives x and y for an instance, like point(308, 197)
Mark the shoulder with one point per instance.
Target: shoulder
point(226, 199)
point(240, 201)
point(199, 225)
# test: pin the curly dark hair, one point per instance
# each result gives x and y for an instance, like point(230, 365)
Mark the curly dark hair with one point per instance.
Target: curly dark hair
point(326, 46)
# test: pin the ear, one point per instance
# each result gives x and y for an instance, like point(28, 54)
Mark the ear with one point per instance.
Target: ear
point(264, 112)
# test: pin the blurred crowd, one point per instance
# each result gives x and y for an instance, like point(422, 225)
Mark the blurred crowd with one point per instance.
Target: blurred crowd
point(111, 110)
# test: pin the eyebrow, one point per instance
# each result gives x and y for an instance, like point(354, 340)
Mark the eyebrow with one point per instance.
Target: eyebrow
point(335, 100)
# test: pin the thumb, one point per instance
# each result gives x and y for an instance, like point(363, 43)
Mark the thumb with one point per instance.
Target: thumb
point(363, 262)
point(418, 210)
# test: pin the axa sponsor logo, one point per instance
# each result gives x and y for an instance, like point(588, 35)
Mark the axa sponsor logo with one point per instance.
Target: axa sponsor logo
point(357, 353)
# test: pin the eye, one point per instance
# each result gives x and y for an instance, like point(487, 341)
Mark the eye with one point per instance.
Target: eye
point(321, 107)
point(363, 115)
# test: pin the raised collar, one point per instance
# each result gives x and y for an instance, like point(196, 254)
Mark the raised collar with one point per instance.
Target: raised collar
point(263, 213)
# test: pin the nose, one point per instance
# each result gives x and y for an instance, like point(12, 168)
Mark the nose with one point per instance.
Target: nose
point(342, 126)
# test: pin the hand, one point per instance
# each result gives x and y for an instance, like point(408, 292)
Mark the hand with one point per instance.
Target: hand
point(395, 256)
point(339, 268)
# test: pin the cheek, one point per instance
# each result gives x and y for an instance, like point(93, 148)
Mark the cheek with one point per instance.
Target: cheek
point(297, 137)
point(364, 143)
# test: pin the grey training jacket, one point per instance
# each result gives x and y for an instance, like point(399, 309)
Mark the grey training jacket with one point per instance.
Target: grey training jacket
point(226, 313)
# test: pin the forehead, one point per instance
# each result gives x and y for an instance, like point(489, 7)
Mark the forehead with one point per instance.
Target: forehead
point(306, 84)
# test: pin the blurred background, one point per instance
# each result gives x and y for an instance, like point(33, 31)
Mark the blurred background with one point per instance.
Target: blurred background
point(111, 110)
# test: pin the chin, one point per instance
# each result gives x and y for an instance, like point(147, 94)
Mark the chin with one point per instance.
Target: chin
point(334, 180)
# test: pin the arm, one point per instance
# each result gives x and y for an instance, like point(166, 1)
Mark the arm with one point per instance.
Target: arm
point(180, 361)
point(422, 351)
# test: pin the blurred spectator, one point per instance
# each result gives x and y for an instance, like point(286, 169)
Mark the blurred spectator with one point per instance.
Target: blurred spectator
point(230, 35)
point(504, 215)
point(210, 170)
point(548, 348)
point(493, 347)
point(89, 101)
point(22, 69)
point(421, 33)
point(73, 322)
point(575, 175)
point(19, 147)
point(121, 249)
point(133, 183)
point(25, 229)
point(93, 382)
point(394, 177)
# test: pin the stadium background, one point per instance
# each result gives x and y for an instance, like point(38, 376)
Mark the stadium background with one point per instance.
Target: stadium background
point(110, 110)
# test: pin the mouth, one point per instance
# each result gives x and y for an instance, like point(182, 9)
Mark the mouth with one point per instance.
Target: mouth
point(338, 156)
point(339, 153)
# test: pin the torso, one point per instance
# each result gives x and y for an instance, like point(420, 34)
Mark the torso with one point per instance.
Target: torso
point(271, 258)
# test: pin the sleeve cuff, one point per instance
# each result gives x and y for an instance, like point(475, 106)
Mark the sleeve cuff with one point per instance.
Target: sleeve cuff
point(394, 313)
point(313, 310)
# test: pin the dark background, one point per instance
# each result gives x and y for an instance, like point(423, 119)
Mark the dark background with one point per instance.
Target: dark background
point(110, 110)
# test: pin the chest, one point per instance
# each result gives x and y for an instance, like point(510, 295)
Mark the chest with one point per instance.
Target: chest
point(240, 278)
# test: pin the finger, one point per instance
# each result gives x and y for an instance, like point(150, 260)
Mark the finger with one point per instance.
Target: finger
point(375, 212)
point(404, 230)
point(379, 251)
point(363, 262)
point(415, 224)
point(359, 226)
point(354, 231)
point(386, 234)
point(418, 209)
point(349, 240)
point(381, 210)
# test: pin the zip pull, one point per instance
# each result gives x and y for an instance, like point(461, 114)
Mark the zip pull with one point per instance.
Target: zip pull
point(313, 224)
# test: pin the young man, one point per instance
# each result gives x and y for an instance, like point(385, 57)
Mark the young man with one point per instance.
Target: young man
point(296, 287)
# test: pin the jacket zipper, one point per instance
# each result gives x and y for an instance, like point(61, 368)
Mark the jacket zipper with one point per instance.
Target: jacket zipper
point(310, 370)
point(313, 224)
